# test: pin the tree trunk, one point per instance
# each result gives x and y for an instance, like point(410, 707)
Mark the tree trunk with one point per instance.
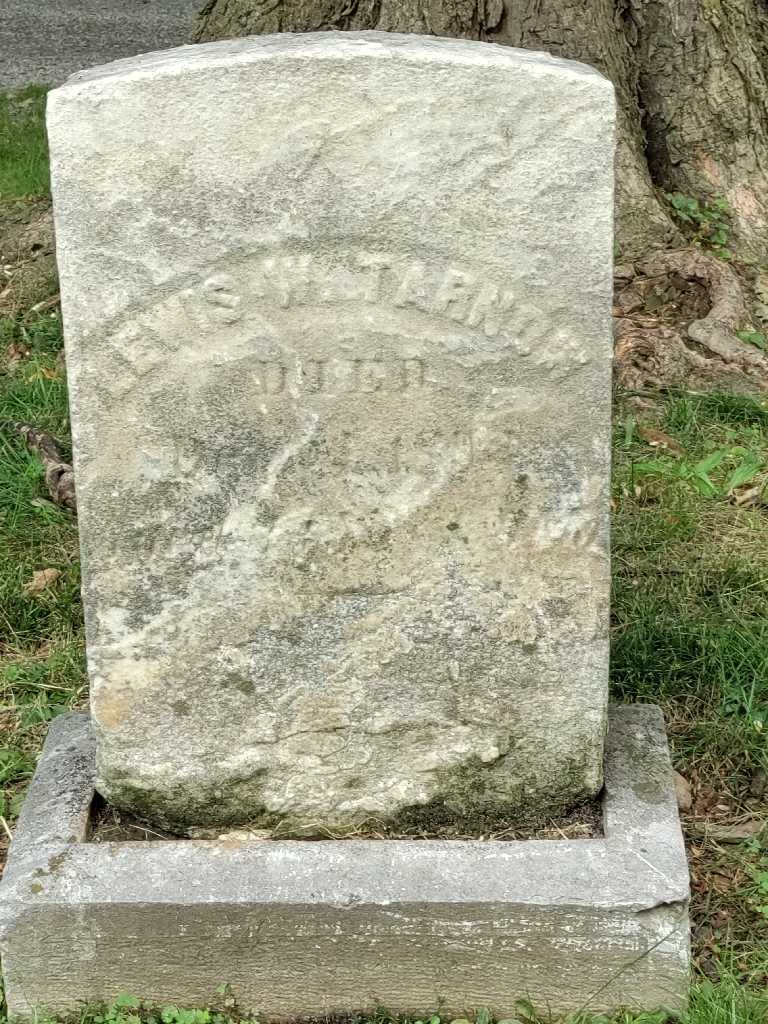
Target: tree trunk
point(690, 77)
point(703, 81)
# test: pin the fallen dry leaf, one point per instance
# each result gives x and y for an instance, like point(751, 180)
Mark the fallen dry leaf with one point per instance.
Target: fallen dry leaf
point(721, 918)
point(658, 439)
point(631, 299)
point(746, 497)
point(705, 801)
point(735, 833)
point(15, 353)
point(709, 967)
point(40, 580)
point(721, 882)
point(623, 272)
point(682, 792)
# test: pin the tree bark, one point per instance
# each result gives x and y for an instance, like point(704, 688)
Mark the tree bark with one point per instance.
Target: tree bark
point(703, 81)
point(690, 77)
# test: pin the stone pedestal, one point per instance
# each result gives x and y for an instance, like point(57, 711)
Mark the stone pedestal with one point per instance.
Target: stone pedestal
point(305, 929)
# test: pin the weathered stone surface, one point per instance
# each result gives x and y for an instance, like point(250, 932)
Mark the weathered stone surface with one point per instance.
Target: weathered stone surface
point(309, 929)
point(338, 335)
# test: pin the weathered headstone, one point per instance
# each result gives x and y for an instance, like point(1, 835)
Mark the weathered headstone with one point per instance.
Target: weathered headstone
point(338, 343)
point(338, 339)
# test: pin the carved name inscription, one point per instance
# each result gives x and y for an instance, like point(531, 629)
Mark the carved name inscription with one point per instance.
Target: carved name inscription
point(501, 312)
point(287, 281)
point(230, 316)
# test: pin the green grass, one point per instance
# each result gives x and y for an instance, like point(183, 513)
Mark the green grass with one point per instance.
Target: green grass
point(41, 643)
point(726, 1003)
point(690, 632)
point(691, 577)
point(23, 149)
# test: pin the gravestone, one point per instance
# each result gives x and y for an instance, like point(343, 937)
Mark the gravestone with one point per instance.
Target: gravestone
point(337, 315)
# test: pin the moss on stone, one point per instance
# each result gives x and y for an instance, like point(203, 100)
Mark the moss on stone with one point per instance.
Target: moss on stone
point(176, 812)
point(476, 798)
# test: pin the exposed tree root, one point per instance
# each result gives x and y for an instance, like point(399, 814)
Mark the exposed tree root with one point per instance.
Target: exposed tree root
point(677, 344)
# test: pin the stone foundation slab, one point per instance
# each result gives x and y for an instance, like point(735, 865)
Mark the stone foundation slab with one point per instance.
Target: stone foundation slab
point(301, 929)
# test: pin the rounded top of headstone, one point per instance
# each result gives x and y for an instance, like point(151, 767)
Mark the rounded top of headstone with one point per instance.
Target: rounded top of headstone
point(316, 46)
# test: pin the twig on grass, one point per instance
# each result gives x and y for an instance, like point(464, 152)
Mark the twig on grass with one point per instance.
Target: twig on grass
point(59, 475)
point(42, 307)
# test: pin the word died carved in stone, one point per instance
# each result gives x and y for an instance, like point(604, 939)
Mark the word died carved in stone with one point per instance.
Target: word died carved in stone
point(334, 376)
